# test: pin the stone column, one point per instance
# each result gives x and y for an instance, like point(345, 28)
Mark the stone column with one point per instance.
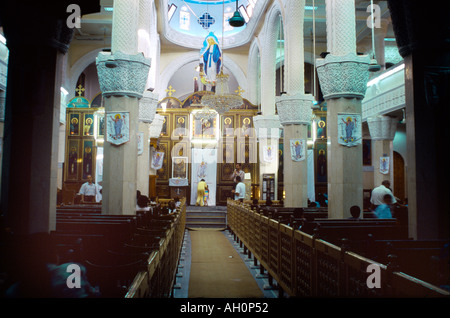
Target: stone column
point(267, 130)
point(30, 146)
point(426, 53)
point(147, 111)
point(123, 75)
point(294, 108)
point(382, 131)
point(343, 78)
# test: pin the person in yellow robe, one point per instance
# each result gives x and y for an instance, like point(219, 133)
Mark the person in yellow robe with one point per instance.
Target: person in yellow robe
point(201, 187)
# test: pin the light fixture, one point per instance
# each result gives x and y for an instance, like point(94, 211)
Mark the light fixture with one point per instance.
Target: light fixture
point(373, 65)
point(236, 20)
point(205, 113)
point(222, 101)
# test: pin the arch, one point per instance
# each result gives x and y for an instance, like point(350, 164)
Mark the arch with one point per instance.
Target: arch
point(169, 71)
point(78, 67)
point(268, 58)
point(254, 69)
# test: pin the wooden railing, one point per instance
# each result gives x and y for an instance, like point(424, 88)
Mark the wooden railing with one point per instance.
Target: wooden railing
point(303, 265)
point(158, 280)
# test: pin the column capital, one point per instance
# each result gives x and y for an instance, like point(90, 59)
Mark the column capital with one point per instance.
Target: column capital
point(122, 74)
point(154, 130)
point(147, 106)
point(267, 126)
point(343, 75)
point(382, 127)
point(295, 109)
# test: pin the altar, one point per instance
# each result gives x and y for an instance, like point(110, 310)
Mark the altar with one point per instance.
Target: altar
point(179, 187)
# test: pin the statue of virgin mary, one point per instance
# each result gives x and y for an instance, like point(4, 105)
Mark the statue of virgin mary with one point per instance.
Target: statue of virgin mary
point(211, 58)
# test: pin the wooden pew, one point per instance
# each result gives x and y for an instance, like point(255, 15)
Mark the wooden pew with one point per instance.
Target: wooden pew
point(425, 259)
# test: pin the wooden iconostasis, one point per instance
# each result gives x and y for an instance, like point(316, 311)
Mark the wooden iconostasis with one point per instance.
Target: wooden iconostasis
point(231, 134)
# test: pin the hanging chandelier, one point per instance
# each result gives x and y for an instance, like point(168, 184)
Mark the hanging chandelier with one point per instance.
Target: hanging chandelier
point(222, 101)
point(205, 113)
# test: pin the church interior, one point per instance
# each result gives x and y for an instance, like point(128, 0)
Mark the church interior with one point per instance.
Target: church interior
point(318, 102)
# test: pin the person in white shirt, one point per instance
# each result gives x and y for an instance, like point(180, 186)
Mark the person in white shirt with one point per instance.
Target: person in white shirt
point(238, 172)
point(377, 197)
point(239, 193)
point(88, 191)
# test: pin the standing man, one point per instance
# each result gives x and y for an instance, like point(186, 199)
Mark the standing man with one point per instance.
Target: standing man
point(377, 197)
point(239, 193)
point(88, 191)
point(238, 172)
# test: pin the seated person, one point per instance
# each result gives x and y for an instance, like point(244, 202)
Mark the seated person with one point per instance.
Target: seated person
point(383, 211)
point(172, 207)
point(177, 202)
point(269, 202)
point(355, 211)
point(254, 205)
point(142, 203)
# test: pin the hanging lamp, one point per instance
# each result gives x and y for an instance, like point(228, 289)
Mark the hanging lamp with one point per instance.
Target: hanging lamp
point(236, 20)
point(373, 65)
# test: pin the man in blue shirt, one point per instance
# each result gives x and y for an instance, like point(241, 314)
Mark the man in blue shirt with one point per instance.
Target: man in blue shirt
point(383, 211)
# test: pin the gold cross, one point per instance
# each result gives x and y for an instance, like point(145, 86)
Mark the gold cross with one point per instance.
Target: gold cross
point(170, 90)
point(79, 90)
point(239, 91)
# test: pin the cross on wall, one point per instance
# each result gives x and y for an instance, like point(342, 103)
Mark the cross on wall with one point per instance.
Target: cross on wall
point(170, 91)
point(80, 90)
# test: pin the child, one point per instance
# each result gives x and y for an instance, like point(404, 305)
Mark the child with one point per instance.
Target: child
point(206, 196)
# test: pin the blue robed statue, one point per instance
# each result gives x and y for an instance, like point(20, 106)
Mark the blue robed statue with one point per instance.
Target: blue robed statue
point(211, 58)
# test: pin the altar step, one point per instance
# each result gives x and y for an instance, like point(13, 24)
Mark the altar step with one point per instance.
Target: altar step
point(200, 217)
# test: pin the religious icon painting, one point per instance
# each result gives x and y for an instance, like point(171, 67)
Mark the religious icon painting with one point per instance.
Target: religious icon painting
point(349, 129)
point(321, 129)
point(246, 126)
point(117, 127)
point(74, 124)
point(321, 162)
point(73, 155)
point(180, 125)
point(269, 153)
point(179, 167)
point(384, 165)
point(100, 125)
point(165, 126)
point(298, 149)
point(157, 160)
point(88, 125)
point(228, 126)
point(88, 162)
point(204, 128)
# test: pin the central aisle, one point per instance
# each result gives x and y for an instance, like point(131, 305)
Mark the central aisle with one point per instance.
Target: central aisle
point(217, 271)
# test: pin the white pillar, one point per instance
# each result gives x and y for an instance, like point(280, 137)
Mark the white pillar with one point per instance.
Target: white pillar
point(341, 26)
point(124, 27)
point(343, 78)
point(123, 75)
point(147, 112)
point(294, 108)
